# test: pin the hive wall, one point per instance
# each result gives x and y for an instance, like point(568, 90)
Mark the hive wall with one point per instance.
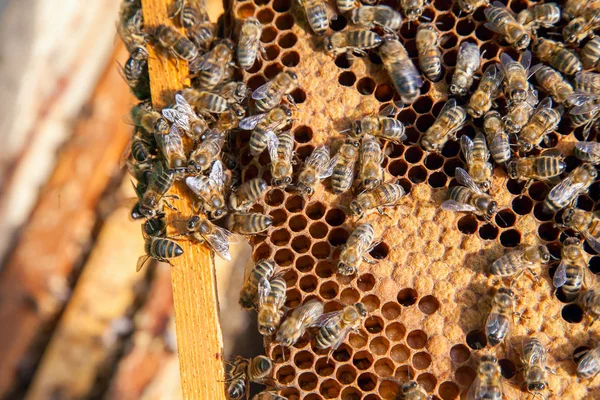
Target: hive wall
point(428, 295)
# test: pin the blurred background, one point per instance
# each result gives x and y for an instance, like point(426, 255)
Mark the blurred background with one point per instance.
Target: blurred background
point(76, 320)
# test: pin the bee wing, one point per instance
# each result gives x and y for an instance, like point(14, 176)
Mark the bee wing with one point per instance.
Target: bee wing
point(565, 189)
point(272, 144)
point(392, 109)
point(198, 184)
point(261, 92)
point(201, 63)
point(264, 288)
point(584, 103)
point(171, 142)
point(330, 166)
point(592, 241)
point(526, 60)
point(450, 104)
point(477, 391)
point(505, 60)
point(466, 145)
point(546, 103)
point(591, 148)
point(455, 206)
point(560, 276)
point(465, 179)
point(183, 105)
point(312, 310)
point(141, 261)
point(217, 174)
point(219, 242)
point(126, 153)
point(250, 122)
point(330, 318)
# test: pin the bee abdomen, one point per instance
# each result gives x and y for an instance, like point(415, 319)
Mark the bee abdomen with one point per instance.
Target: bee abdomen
point(165, 248)
point(431, 65)
point(406, 80)
point(503, 266)
point(591, 53)
point(317, 18)
point(574, 282)
point(326, 336)
point(164, 181)
point(393, 130)
point(549, 166)
point(566, 61)
point(258, 141)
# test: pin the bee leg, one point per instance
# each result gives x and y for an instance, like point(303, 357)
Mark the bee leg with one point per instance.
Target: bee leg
point(517, 276)
point(381, 212)
point(262, 52)
point(291, 100)
point(360, 52)
point(170, 205)
point(535, 276)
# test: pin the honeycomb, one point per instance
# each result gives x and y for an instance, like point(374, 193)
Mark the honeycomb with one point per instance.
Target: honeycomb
point(428, 295)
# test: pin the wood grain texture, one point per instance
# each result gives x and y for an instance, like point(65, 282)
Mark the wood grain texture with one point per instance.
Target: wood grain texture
point(199, 340)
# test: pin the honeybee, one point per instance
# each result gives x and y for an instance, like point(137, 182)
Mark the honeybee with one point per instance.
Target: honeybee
point(557, 55)
point(548, 165)
point(518, 115)
point(489, 86)
point(335, 326)
point(234, 92)
point(135, 74)
point(270, 94)
point(543, 121)
point(517, 261)
point(190, 13)
point(404, 75)
point(295, 325)
point(183, 116)
point(248, 223)
point(144, 116)
point(345, 5)
point(413, 9)
point(343, 170)
point(590, 54)
point(501, 21)
point(248, 42)
point(515, 75)
point(271, 297)
point(316, 167)
point(497, 139)
point(213, 67)
point(589, 365)
point(498, 325)
point(217, 238)
point(578, 181)
point(585, 110)
point(210, 190)
point(588, 82)
point(411, 391)
point(586, 223)
point(575, 8)
point(156, 226)
point(588, 152)
point(246, 194)
point(553, 83)
point(370, 171)
point(467, 63)
point(202, 35)
point(570, 274)
point(383, 126)
point(171, 146)
point(590, 302)
point(534, 366)
point(243, 371)
point(447, 123)
point(581, 27)
point(130, 32)
point(206, 153)
point(142, 148)
point(175, 43)
point(352, 42)
point(469, 197)
point(384, 195)
point(268, 396)
point(316, 15)
point(541, 15)
point(281, 149)
point(430, 56)
point(488, 381)
point(161, 249)
point(263, 269)
point(265, 125)
point(468, 6)
point(358, 243)
point(477, 155)
point(382, 16)
point(153, 197)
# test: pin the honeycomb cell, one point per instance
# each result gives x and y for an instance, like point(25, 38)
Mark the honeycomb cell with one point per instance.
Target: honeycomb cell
point(384, 93)
point(325, 269)
point(594, 265)
point(404, 373)
point(330, 389)
point(301, 244)
point(341, 61)
point(325, 367)
point(488, 232)
point(347, 78)
point(338, 236)
point(507, 368)
point(505, 218)
point(320, 250)
point(271, 71)
point(371, 303)
point(465, 376)
point(318, 230)
point(366, 282)
point(374, 324)
point(388, 389)
point(510, 238)
point(424, 122)
point(413, 155)
point(515, 187)
point(286, 374)
point(290, 393)
point(421, 360)
point(427, 381)
point(398, 167)
point(429, 305)
point(548, 232)
point(365, 86)
point(269, 34)
point(476, 339)
point(433, 161)
point(274, 197)
point(338, 24)
point(303, 134)
point(307, 381)
point(279, 217)
point(282, 5)
point(308, 284)
point(395, 331)
point(291, 277)
point(572, 313)
point(362, 360)
point(280, 237)
point(346, 374)
point(357, 340)
point(288, 40)
point(390, 311)
point(540, 214)
point(451, 164)
point(437, 180)
point(297, 223)
point(280, 354)
point(367, 381)
point(349, 296)
point(459, 353)
point(522, 205)
point(284, 257)
point(294, 204)
point(329, 290)
point(262, 252)
point(271, 52)
point(304, 152)
point(416, 339)
point(351, 393)
point(254, 83)
point(407, 297)
point(290, 59)
point(245, 11)
point(250, 173)
point(335, 217)
point(448, 390)
point(293, 298)
point(304, 359)
point(384, 368)
point(313, 396)
point(379, 346)
point(407, 116)
point(266, 15)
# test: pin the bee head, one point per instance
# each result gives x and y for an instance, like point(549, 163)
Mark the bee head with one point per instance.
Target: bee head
point(428, 145)
point(408, 386)
point(523, 41)
point(526, 146)
point(544, 254)
point(536, 386)
point(344, 269)
point(414, 13)
point(466, 7)
point(148, 212)
point(512, 170)
point(286, 180)
point(238, 111)
point(218, 213)
point(355, 208)
point(136, 212)
point(489, 359)
point(518, 95)
point(292, 74)
point(475, 113)
point(328, 44)
point(284, 340)
point(506, 291)
point(567, 216)
point(360, 307)
point(193, 222)
point(269, 329)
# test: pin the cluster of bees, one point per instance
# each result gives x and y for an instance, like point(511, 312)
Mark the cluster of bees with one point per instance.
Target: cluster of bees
point(215, 105)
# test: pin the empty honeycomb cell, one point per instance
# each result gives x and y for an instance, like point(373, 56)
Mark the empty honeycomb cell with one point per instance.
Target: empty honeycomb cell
point(380, 251)
point(286, 374)
point(417, 174)
point(265, 16)
point(442, 5)
point(303, 134)
point(407, 297)
point(362, 360)
point(585, 203)
point(594, 265)
point(588, 249)
point(290, 59)
point(367, 381)
point(271, 52)
point(427, 381)
point(288, 40)
point(325, 269)
point(280, 237)
point(279, 217)
point(271, 71)
point(429, 305)
point(465, 26)
point(256, 66)
point(282, 5)
point(408, 31)
point(284, 257)
point(297, 223)
point(572, 313)
point(413, 154)
point(305, 264)
point(330, 389)
point(365, 86)
point(522, 205)
point(308, 284)
point(307, 381)
point(262, 252)
point(449, 59)
point(246, 10)
point(505, 218)
point(390, 311)
point(294, 204)
point(341, 61)
point(304, 359)
point(404, 373)
point(398, 167)
point(416, 339)
point(304, 151)
point(250, 173)
point(339, 23)
point(548, 232)
point(290, 393)
point(365, 282)
point(266, 175)
point(448, 390)
point(540, 214)
point(280, 354)
point(423, 105)
point(393, 150)
point(338, 236)
point(451, 149)
point(293, 298)
point(412, 134)
point(379, 345)
point(269, 34)
point(301, 244)
point(538, 191)
point(459, 353)
point(507, 368)
point(489, 50)
point(448, 41)
point(421, 360)
point(291, 277)
point(384, 92)
point(374, 324)
point(437, 180)
point(346, 374)
point(406, 185)
point(261, 2)
point(284, 22)
point(399, 352)
point(388, 389)
point(371, 303)
point(313, 396)
point(432, 162)
point(357, 340)
point(510, 238)
point(407, 116)
point(476, 339)
point(395, 331)
point(349, 296)
point(351, 393)
point(320, 250)
point(335, 217)
point(329, 290)
point(515, 187)
point(464, 376)
point(254, 83)
point(424, 122)
point(488, 232)
point(324, 366)
point(483, 33)
point(347, 78)
point(384, 368)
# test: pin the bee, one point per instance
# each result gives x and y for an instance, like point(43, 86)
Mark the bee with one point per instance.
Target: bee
point(203, 35)
point(269, 95)
point(382, 16)
point(518, 115)
point(343, 170)
point(588, 152)
point(335, 326)
point(246, 194)
point(548, 165)
point(590, 302)
point(264, 125)
point(447, 123)
point(411, 391)
point(534, 370)
point(553, 83)
point(584, 111)
point(404, 75)
point(190, 13)
point(295, 325)
point(501, 21)
point(590, 54)
point(581, 27)
point(359, 242)
point(370, 171)
point(469, 197)
point(141, 147)
point(497, 139)
point(153, 197)
point(467, 63)
point(135, 74)
point(498, 325)
point(144, 116)
point(586, 223)
point(570, 274)
point(271, 297)
point(248, 223)
point(130, 31)
point(204, 231)
point(243, 371)
point(413, 9)
point(384, 195)
point(317, 166)
point(210, 190)
point(281, 149)
point(541, 15)
point(578, 181)
point(351, 42)
point(430, 56)
point(183, 116)
point(171, 146)
point(589, 366)
point(489, 86)
point(517, 261)
point(161, 249)
point(316, 15)
point(383, 126)
point(557, 55)
point(588, 82)
point(205, 153)
point(175, 43)
point(345, 5)
point(468, 6)
point(477, 155)
point(248, 42)
point(488, 380)
point(156, 226)
point(515, 75)
point(208, 102)
point(268, 396)
point(263, 269)
point(575, 8)
point(213, 67)
point(544, 120)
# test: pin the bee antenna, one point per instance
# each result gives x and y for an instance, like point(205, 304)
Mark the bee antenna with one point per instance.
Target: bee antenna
point(502, 219)
point(426, 18)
